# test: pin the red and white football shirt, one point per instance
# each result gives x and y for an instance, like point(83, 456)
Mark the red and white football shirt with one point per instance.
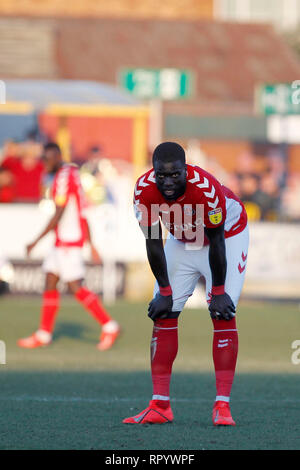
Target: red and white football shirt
point(219, 206)
point(67, 192)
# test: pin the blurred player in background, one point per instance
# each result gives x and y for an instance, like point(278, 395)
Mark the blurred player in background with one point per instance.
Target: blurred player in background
point(65, 260)
point(208, 237)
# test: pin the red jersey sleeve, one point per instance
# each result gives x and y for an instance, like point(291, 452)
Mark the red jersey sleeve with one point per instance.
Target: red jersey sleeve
point(213, 199)
point(146, 212)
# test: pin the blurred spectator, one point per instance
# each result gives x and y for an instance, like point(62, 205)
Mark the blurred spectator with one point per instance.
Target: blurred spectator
point(96, 174)
point(269, 197)
point(233, 182)
point(7, 192)
point(290, 206)
point(91, 178)
point(249, 187)
point(119, 194)
point(258, 181)
point(277, 167)
point(10, 149)
point(246, 163)
point(261, 196)
point(250, 195)
point(93, 160)
point(26, 169)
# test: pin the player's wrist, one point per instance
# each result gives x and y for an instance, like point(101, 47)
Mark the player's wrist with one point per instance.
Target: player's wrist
point(165, 291)
point(218, 290)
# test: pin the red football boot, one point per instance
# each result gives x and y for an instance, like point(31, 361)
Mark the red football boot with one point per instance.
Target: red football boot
point(152, 415)
point(108, 338)
point(221, 414)
point(36, 340)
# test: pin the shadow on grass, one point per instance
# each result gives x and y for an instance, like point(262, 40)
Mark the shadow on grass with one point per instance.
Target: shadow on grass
point(84, 410)
point(72, 330)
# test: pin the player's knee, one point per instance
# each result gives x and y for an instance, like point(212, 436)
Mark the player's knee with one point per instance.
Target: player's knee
point(73, 287)
point(51, 282)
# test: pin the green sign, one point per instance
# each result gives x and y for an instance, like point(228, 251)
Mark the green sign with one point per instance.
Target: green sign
point(279, 98)
point(166, 84)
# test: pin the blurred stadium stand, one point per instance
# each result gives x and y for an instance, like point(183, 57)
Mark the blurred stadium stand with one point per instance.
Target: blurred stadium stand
point(128, 8)
point(228, 59)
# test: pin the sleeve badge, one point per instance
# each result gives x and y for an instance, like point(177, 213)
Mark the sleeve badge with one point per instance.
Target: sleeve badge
point(215, 216)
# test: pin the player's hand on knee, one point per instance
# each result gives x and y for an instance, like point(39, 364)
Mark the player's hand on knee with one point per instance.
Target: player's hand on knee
point(221, 307)
point(160, 306)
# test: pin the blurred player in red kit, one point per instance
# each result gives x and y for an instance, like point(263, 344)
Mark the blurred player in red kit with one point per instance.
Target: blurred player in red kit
point(208, 236)
point(65, 261)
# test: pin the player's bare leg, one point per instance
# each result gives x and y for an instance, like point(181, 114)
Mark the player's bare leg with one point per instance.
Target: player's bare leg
point(90, 301)
point(164, 347)
point(50, 306)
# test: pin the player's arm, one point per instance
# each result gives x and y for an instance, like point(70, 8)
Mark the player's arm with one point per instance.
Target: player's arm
point(88, 238)
point(156, 254)
point(161, 305)
point(217, 254)
point(221, 302)
point(49, 227)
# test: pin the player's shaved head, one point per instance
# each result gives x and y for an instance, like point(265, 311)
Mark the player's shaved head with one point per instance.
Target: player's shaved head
point(170, 169)
point(168, 152)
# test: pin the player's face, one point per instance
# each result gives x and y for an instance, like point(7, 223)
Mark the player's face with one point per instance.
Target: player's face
point(52, 160)
point(170, 178)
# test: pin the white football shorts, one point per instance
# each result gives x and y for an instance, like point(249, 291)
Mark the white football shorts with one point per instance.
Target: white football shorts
point(185, 267)
point(66, 262)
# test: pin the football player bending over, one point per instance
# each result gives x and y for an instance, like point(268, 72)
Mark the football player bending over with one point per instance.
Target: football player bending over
point(208, 237)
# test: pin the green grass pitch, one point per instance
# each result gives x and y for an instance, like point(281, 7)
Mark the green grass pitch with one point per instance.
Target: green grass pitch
point(71, 396)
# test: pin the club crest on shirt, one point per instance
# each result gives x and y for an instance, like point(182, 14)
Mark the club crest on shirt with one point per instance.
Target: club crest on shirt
point(215, 216)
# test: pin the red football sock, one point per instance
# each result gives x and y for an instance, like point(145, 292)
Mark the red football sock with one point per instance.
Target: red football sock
point(49, 309)
point(164, 346)
point(91, 302)
point(225, 350)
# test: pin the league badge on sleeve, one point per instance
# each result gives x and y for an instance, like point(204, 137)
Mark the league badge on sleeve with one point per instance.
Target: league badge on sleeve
point(215, 216)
